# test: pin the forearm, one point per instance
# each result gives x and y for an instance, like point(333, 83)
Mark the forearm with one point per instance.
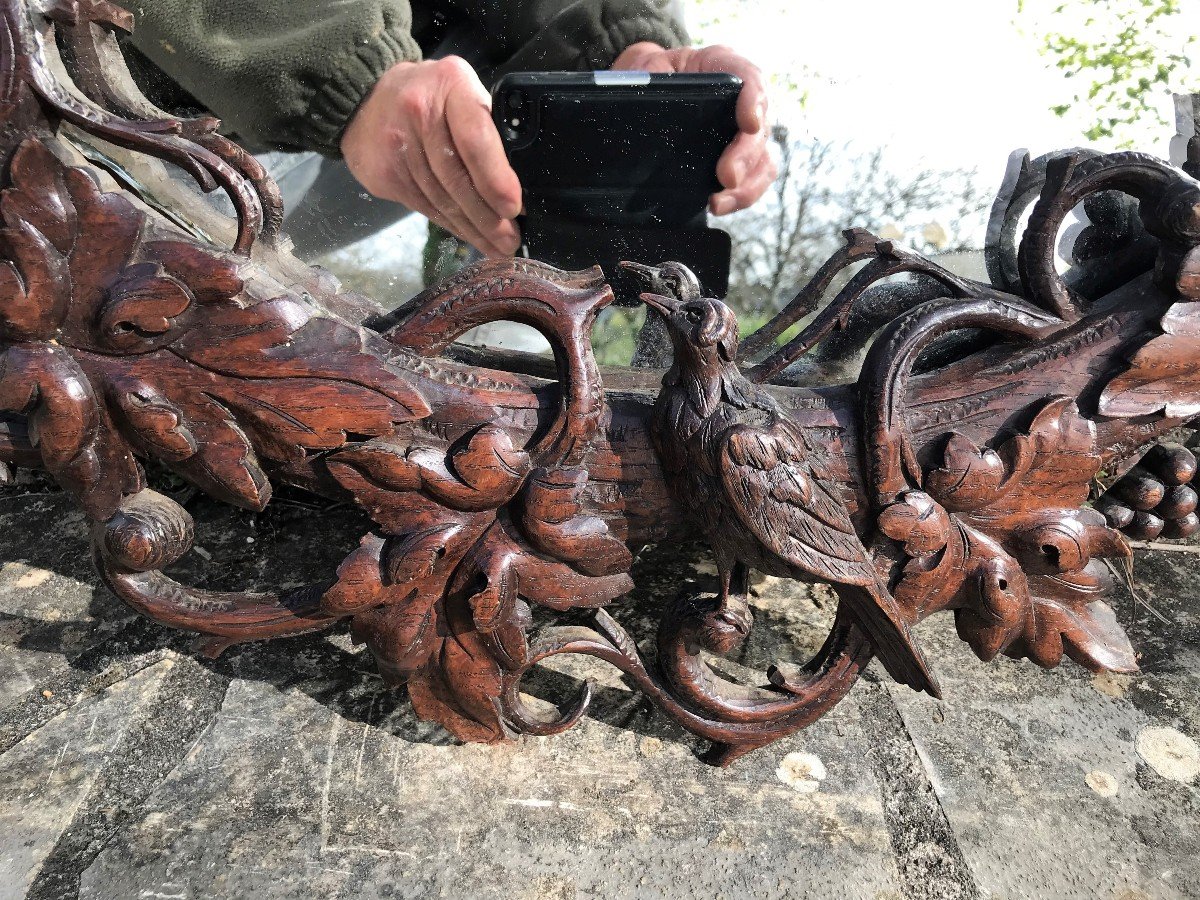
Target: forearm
point(279, 73)
point(587, 34)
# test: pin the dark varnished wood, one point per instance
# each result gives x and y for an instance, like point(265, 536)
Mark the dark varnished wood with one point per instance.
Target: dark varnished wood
point(955, 475)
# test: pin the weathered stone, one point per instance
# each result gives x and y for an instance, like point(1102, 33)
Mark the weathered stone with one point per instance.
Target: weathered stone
point(288, 770)
point(48, 775)
point(1040, 774)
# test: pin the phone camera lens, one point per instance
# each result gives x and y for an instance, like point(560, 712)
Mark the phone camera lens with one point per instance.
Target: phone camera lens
point(516, 100)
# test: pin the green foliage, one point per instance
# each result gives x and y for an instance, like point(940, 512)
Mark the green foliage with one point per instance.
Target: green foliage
point(1121, 56)
point(615, 333)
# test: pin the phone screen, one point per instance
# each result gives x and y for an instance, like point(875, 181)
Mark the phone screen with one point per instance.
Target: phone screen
point(625, 148)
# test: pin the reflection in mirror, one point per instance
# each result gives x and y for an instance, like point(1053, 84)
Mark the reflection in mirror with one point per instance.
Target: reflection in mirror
point(900, 122)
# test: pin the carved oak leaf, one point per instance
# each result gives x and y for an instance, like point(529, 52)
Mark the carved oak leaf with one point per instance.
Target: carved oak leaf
point(210, 427)
point(491, 580)
point(1162, 376)
point(552, 518)
point(442, 601)
point(157, 424)
point(381, 467)
point(460, 689)
point(69, 243)
point(211, 277)
point(68, 427)
point(968, 477)
point(40, 228)
point(38, 195)
point(172, 412)
point(490, 464)
point(284, 421)
point(1050, 467)
point(485, 626)
point(1020, 563)
point(143, 307)
point(482, 472)
point(916, 521)
point(456, 653)
point(1039, 615)
point(1089, 634)
point(34, 285)
point(419, 627)
point(109, 227)
point(398, 619)
point(282, 337)
point(395, 585)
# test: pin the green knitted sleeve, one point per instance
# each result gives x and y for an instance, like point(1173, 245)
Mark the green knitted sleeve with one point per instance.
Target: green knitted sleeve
point(574, 35)
point(285, 74)
point(288, 74)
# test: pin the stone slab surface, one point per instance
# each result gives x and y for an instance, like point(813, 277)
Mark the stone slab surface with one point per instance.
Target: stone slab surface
point(130, 767)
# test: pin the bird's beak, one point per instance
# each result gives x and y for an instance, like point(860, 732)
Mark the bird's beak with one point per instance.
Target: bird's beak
point(648, 273)
point(665, 305)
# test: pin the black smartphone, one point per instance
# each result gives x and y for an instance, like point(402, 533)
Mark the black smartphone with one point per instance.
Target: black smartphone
point(619, 165)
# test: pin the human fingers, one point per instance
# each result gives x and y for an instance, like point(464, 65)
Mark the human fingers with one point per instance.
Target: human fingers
point(446, 162)
point(404, 189)
point(449, 214)
point(477, 142)
point(421, 114)
point(747, 192)
point(646, 56)
point(752, 101)
point(385, 144)
point(743, 155)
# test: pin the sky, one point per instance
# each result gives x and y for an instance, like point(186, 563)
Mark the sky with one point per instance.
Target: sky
point(951, 83)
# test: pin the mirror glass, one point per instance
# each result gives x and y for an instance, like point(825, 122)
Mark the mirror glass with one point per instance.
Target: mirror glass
point(897, 118)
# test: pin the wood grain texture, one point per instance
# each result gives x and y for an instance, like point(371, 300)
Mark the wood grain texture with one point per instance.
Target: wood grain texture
point(943, 479)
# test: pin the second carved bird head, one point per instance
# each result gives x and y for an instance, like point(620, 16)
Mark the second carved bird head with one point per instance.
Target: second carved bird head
point(703, 331)
point(670, 279)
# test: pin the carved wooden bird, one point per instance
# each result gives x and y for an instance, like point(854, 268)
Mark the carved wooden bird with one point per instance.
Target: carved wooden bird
point(752, 484)
point(670, 279)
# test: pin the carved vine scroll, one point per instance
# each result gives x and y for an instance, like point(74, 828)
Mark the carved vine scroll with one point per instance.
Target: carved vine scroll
point(949, 477)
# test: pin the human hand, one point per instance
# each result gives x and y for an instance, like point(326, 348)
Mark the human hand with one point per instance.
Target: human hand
point(424, 137)
point(746, 168)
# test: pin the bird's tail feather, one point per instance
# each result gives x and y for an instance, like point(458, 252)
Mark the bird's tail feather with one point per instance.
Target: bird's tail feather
point(879, 615)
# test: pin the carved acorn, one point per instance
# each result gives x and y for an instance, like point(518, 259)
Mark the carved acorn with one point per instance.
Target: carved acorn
point(1069, 542)
point(999, 611)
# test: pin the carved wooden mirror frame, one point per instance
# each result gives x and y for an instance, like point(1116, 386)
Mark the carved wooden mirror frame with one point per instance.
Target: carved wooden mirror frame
point(968, 454)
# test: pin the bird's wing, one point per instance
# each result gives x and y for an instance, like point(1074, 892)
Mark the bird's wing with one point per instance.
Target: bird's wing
point(776, 495)
point(795, 516)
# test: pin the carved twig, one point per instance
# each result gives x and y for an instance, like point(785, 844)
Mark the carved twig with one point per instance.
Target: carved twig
point(832, 673)
point(890, 260)
point(860, 245)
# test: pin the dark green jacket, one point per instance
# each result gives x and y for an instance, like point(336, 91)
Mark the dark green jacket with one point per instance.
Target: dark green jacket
point(288, 74)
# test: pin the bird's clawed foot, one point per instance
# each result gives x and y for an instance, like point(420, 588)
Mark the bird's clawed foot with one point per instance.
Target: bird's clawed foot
point(726, 626)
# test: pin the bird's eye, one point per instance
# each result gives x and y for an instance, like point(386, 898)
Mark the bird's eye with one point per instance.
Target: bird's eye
point(693, 315)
